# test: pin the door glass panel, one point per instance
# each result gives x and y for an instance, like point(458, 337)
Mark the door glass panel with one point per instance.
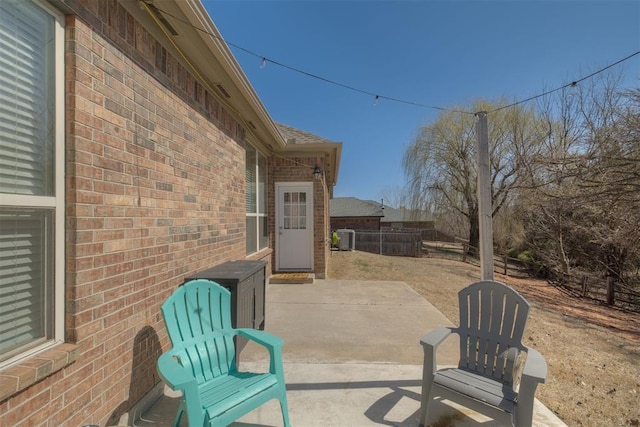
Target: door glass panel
point(295, 210)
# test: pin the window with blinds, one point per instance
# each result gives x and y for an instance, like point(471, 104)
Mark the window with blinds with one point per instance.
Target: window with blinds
point(26, 99)
point(28, 199)
point(25, 242)
point(250, 180)
point(255, 203)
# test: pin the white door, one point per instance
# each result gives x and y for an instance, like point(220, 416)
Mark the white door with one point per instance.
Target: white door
point(294, 226)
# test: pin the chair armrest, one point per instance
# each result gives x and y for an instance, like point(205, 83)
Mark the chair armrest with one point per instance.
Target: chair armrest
point(270, 342)
point(263, 338)
point(535, 367)
point(533, 373)
point(430, 343)
point(180, 378)
point(435, 337)
point(174, 374)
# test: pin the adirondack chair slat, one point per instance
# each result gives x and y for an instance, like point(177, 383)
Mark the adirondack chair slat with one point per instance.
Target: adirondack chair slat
point(202, 360)
point(485, 309)
point(479, 387)
point(474, 312)
point(492, 367)
point(493, 318)
point(233, 389)
point(498, 342)
point(521, 322)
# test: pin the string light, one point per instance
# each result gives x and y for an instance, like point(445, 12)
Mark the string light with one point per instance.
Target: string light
point(573, 84)
point(377, 97)
point(308, 74)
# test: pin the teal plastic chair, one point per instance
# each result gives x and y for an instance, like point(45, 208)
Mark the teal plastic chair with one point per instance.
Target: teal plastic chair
point(202, 360)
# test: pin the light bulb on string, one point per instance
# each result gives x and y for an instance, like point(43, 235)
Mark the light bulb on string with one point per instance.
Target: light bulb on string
point(263, 63)
point(573, 89)
point(375, 100)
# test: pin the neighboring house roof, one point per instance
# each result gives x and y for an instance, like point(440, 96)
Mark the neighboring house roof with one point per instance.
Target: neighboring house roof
point(405, 215)
point(352, 207)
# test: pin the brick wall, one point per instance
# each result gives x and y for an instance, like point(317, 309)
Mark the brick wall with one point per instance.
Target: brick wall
point(418, 225)
point(154, 191)
point(355, 223)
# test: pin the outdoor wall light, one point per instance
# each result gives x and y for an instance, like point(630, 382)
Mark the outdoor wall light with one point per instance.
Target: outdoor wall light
point(317, 173)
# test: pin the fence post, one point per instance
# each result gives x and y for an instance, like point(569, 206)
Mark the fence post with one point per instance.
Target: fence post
point(465, 249)
point(611, 299)
point(506, 260)
point(585, 286)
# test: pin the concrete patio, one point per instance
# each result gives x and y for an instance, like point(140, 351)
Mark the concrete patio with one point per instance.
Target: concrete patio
point(352, 357)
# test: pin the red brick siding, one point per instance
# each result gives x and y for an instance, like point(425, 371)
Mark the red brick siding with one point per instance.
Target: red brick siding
point(154, 191)
point(355, 223)
point(418, 225)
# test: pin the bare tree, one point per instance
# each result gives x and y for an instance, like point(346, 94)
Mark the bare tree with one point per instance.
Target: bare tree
point(611, 184)
point(395, 197)
point(580, 210)
point(549, 188)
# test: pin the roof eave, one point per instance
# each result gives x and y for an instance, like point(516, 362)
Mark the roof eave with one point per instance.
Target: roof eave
point(198, 35)
point(332, 149)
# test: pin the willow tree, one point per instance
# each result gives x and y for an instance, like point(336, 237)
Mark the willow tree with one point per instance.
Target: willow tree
point(441, 163)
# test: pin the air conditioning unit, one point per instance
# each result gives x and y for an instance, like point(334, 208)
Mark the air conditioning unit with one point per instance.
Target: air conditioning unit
point(347, 239)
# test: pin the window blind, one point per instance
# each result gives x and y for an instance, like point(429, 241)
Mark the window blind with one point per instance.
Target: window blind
point(262, 182)
point(250, 180)
point(26, 88)
point(25, 240)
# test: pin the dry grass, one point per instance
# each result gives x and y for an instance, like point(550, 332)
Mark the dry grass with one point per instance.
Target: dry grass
point(593, 352)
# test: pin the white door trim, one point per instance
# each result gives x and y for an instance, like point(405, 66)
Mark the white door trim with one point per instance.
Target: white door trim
point(308, 260)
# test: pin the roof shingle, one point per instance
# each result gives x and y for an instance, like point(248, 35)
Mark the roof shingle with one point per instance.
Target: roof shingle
point(350, 206)
point(297, 136)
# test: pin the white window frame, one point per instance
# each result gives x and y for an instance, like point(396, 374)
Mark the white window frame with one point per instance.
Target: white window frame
point(261, 197)
point(56, 202)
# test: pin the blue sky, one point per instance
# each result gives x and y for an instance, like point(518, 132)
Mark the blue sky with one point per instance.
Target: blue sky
point(437, 53)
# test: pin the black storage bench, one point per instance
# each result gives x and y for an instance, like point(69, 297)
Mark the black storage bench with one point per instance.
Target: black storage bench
point(246, 282)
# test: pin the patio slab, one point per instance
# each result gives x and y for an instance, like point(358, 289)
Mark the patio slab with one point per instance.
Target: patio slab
point(352, 357)
point(335, 321)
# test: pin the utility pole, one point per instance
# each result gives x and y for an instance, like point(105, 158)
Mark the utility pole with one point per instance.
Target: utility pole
point(485, 209)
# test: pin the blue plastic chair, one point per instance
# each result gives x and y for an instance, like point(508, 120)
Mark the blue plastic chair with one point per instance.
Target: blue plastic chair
point(202, 361)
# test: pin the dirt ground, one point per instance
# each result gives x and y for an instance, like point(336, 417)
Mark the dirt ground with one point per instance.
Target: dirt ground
point(592, 351)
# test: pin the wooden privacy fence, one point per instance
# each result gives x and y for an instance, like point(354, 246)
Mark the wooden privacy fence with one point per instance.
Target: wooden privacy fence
point(434, 235)
point(389, 242)
point(502, 263)
point(625, 296)
point(603, 289)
